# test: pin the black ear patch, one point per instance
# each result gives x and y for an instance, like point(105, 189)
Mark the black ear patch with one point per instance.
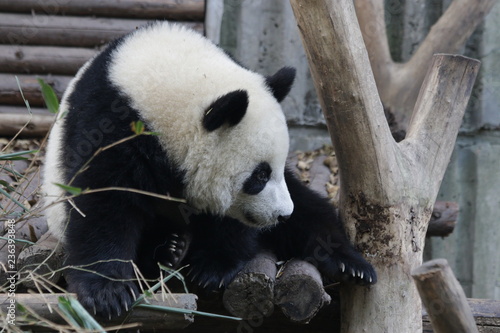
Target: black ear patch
point(281, 82)
point(229, 109)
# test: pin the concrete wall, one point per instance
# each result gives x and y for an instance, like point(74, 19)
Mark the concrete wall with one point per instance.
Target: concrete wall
point(263, 36)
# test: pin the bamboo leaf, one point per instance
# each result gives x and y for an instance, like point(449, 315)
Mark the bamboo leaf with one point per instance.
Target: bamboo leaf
point(17, 155)
point(18, 240)
point(2, 191)
point(137, 127)
point(22, 96)
point(77, 315)
point(49, 96)
point(70, 189)
point(7, 185)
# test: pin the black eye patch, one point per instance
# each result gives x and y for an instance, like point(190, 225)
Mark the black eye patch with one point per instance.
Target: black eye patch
point(258, 180)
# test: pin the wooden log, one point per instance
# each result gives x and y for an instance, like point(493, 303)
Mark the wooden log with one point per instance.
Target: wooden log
point(443, 219)
point(251, 293)
point(12, 122)
point(43, 59)
point(67, 31)
point(10, 94)
point(8, 260)
point(45, 306)
point(191, 10)
point(299, 291)
point(443, 298)
point(29, 230)
point(45, 258)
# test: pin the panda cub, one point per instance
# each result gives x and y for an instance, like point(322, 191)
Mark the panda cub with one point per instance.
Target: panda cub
point(220, 142)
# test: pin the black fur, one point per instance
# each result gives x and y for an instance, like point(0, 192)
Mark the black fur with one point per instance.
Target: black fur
point(315, 233)
point(258, 179)
point(281, 82)
point(121, 227)
point(229, 109)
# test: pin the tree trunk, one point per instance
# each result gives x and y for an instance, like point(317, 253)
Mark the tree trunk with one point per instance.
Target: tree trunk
point(387, 188)
point(399, 84)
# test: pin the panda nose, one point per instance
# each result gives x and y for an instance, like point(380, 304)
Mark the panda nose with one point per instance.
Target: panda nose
point(283, 218)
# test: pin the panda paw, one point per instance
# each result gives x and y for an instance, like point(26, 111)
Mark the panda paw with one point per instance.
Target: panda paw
point(350, 268)
point(178, 245)
point(212, 278)
point(103, 297)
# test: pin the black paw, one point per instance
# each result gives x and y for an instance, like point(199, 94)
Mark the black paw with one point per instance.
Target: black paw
point(212, 278)
point(178, 245)
point(104, 297)
point(351, 268)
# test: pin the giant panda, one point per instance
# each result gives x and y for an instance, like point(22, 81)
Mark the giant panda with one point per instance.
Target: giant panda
point(220, 142)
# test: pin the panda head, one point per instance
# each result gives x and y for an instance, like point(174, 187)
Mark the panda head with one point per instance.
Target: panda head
point(218, 122)
point(249, 153)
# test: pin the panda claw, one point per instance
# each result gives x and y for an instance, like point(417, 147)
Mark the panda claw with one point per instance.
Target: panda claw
point(353, 273)
point(133, 293)
point(169, 264)
point(95, 310)
point(175, 235)
point(361, 275)
point(205, 285)
point(126, 307)
point(342, 267)
point(221, 284)
point(370, 279)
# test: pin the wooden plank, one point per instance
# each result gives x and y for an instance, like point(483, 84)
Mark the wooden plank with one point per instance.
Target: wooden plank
point(190, 10)
point(10, 94)
point(15, 118)
point(43, 59)
point(486, 313)
point(45, 305)
point(67, 31)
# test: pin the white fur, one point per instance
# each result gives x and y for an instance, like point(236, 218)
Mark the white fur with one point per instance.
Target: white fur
point(172, 75)
point(57, 216)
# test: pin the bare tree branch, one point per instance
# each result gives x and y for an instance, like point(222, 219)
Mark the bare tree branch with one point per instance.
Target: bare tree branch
point(399, 84)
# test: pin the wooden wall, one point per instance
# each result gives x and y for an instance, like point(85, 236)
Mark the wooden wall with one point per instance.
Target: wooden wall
point(52, 39)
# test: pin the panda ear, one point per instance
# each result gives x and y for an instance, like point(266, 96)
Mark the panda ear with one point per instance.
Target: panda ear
point(229, 109)
point(281, 82)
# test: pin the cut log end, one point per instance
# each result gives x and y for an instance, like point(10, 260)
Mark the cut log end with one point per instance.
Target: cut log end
point(299, 291)
point(251, 293)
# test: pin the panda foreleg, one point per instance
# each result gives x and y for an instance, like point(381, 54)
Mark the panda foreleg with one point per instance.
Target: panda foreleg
point(101, 247)
point(221, 247)
point(315, 233)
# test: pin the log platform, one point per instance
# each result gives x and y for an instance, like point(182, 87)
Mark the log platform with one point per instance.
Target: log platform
point(53, 39)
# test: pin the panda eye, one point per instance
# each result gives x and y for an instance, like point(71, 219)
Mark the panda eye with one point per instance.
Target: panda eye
point(262, 175)
point(258, 179)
